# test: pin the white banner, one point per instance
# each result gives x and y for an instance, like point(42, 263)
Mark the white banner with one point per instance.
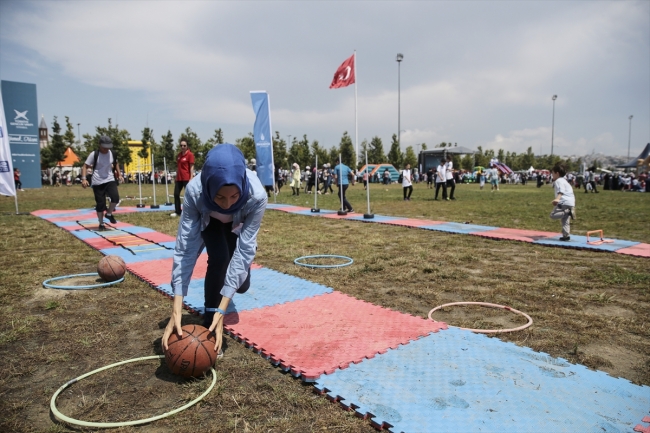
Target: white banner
point(7, 185)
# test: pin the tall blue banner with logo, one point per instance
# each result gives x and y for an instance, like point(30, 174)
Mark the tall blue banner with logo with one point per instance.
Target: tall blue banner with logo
point(21, 113)
point(263, 137)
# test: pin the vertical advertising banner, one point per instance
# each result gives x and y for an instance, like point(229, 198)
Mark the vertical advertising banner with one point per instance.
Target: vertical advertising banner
point(7, 185)
point(21, 114)
point(263, 137)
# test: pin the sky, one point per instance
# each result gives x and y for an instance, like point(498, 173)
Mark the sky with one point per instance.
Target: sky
point(475, 73)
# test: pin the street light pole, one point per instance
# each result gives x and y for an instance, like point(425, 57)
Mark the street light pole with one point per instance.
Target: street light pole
point(553, 123)
point(399, 59)
point(629, 138)
point(78, 132)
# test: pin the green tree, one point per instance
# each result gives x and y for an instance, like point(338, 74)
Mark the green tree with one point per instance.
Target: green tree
point(410, 157)
point(527, 159)
point(54, 153)
point(334, 153)
point(365, 147)
point(501, 156)
point(247, 146)
point(210, 143)
point(317, 150)
point(376, 152)
point(165, 152)
point(347, 151)
point(395, 155)
point(299, 152)
point(424, 146)
point(279, 151)
point(467, 162)
point(146, 139)
point(69, 138)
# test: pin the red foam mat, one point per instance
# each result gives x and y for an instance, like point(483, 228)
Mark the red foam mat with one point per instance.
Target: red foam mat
point(515, 234)
point(158, 272)
point(639, 250)
point(156, 237)
point(318, 335)
point(99, 243)
point(411, 222)
point(71, 218)
point(338, 217)
point(292, 208)
point(47, 212)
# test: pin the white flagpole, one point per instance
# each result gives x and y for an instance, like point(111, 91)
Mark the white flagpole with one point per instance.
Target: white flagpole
point(356, 122)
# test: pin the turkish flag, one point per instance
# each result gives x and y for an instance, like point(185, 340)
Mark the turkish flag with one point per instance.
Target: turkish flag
point(344, 75)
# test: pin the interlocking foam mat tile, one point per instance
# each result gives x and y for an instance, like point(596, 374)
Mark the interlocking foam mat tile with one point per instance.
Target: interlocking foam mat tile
point(310, 213)
point(581, 242)
point(412, 222)
point(291, 209)
point(515, 234)
point(458, 381)
point(639, 250)
point(641, 428)
point(335, 215)
point(318, 335)
point(268, 288)
point(158, 272)
point(376, 218)
point(141, 256)
point(458, 228)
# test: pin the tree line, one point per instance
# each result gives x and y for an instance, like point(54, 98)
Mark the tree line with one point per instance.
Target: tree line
point(300, 150)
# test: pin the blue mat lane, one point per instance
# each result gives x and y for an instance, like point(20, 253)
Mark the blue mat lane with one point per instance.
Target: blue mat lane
point(581, 242)
point(268, 288)
point(458, 381)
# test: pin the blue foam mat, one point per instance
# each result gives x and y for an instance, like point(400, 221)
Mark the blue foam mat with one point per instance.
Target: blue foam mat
point(141, 256)
point(459, 228)
point(581, 242)
point(377, 218)
point(310, 213)
point(458, 381)
point(136, 230)
point(84, 234)
point(267, 288)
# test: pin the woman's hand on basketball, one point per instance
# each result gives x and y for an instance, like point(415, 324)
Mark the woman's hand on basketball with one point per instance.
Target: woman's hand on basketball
point(217, 328)
point(174, 323)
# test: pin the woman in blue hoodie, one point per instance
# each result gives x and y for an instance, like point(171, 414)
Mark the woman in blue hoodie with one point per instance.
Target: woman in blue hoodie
point(222, 211)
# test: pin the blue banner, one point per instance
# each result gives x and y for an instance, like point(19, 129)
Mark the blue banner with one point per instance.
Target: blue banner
point(19, 100)
point(263, 137)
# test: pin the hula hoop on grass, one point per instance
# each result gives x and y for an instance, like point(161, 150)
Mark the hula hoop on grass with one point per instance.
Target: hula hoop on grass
point(69, 420)
point(47, 283)
point(299, 262)
point(487, 304)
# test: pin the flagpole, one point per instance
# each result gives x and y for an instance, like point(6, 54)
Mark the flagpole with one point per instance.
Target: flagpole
point(356, 122)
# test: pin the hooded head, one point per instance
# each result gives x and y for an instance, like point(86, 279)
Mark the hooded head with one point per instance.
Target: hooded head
point(224, 166)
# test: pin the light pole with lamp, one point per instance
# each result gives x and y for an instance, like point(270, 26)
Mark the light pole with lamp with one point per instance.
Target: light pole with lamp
point(399, 59)
point(553, 123)
point(79, 132)
point(629, 137)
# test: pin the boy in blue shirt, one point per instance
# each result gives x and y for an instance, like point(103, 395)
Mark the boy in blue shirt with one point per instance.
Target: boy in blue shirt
point(564, 202)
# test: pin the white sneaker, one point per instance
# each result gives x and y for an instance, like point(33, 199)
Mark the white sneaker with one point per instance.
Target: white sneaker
point(220, 354)
point(173, 215)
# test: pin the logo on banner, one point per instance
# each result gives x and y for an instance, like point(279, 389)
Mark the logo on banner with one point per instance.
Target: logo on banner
point(23, 138)
point(4, 167)
point(21, 121)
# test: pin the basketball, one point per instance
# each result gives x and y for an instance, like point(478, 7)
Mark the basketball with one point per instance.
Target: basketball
point(192, 355)
point(111, 268)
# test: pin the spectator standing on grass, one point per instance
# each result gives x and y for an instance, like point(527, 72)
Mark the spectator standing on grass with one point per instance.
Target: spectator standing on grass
point(449, 173)
point(564, 201)
point(386, 177)
point(407, 185)
point(430, 177)
point(341, 174)
point(365, 179)
point(184, 174)
point(481, 178)
point(295, 179)
point(441, 181)
point(18, 184)
point(106, 173)
point(222, 210)
point(494, 179)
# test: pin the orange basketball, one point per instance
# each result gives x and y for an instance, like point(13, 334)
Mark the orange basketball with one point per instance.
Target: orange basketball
point(192, 355)
point(111, 268)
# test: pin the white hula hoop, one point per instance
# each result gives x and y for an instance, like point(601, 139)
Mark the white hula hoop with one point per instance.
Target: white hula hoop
point(487, 304)
point(69, 420)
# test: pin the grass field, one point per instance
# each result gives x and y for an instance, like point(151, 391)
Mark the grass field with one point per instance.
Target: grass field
point(588, 307)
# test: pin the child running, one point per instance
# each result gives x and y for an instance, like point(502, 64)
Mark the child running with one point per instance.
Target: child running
point(564, 202)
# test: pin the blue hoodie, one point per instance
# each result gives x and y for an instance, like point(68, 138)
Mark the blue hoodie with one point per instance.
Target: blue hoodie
point(247, 217)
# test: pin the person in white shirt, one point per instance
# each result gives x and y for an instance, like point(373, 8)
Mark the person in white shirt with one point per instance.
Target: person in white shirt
point(449, 173)
point(564, 201)
point(407, 183)
point(441, 180)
